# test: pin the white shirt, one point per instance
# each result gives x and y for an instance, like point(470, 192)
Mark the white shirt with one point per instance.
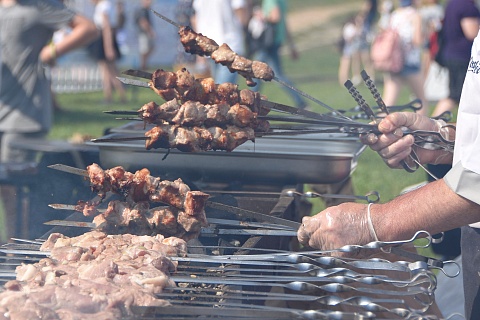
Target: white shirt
point(467, 141)
point(105, 7)
point(464, 178)
point(216, 19)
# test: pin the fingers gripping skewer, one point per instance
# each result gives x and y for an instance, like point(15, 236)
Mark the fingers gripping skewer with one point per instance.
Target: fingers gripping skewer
point(413, 156)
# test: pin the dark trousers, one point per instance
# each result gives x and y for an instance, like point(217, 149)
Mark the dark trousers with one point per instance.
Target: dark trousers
point(471, 269)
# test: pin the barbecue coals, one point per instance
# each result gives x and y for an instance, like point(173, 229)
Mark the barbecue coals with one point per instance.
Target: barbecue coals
point(197, 43)
point(92, 276)
point(183, 217)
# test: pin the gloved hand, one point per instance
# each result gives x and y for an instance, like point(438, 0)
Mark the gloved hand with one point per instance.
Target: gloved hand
point(393, 146)
point(337, 226)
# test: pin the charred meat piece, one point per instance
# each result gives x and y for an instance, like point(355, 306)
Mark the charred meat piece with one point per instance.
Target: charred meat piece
point(152, 112)
point(261, 70)
point(144, 187)
point(230, 138)
point(164, 79)
point(241, 64)
point(139, 219)
point(196, 43)
point(228, 92)
point(205, 91)
point(224, 55)
point(193, 113)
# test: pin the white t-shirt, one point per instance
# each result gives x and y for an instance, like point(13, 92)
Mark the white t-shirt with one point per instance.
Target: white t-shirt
point(216, 19)
point(464, 178)
point(467, 141)
point(108, 8)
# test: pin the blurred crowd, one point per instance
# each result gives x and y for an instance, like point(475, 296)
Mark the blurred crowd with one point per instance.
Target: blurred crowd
point(436, 40)
point(419, 25)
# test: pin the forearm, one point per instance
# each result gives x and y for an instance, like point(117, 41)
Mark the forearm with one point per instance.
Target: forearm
point(83, 32)
point(433, 208)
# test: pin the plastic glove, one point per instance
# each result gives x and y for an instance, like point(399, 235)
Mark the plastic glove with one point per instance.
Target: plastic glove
point(393, 146)
point(335, 227)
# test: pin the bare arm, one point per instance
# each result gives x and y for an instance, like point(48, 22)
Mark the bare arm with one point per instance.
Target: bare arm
point(275, 15)
point(146, 27)
point(418, 33)
point(470, 27)
point(432, 208)
point(108, 35)
point(242, 15)
point(83, 32)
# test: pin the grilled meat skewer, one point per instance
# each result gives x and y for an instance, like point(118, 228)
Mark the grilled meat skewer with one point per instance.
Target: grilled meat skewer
point(197, 139)
point(139, 219)
point(183, 86)
point(196, 43)
point(193, 113)
point(141, 186)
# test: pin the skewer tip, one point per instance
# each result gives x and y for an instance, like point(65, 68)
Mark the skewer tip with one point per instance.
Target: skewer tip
point(166, 19)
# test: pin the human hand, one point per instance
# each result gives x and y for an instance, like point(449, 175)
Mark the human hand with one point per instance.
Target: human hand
point(48, 54)
point(334, 227)
point(393, 146)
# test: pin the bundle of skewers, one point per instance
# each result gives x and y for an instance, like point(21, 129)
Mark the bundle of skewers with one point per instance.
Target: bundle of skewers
point(182, 217)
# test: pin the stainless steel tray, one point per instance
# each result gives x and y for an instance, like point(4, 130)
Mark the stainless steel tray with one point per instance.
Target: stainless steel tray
point(313, 158)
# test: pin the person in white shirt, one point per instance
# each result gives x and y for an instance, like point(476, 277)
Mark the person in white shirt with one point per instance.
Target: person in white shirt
point(445, 204)
point(106, 50)
point(223, 21)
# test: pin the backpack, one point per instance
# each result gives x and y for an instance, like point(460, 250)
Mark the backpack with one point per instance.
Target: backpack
point(386, 51)
point(436, 45)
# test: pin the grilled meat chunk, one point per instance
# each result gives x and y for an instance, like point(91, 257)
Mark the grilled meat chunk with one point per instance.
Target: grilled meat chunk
point(198, 138)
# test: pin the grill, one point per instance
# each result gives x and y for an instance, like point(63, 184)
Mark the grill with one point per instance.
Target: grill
point(275, 160)
point(262, 273)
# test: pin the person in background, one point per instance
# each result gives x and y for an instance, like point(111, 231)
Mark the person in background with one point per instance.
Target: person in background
point(461, 25)
point(386, 9)
point(26, 31)
point(223, 21)
point(146, 34)
point(183, 16)
point(350, 66)
point(445, 204)
point(432, 13)
point(370, 10)
point(408, 23)
point(275, 11)
point(106, 50)
point(368, 14)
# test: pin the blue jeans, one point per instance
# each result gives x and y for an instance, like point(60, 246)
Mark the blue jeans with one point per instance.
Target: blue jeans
point(271, 56)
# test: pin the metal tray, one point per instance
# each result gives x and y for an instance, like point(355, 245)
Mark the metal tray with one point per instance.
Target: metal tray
point(313, 158)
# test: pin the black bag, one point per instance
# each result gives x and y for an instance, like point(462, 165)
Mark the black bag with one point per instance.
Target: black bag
point(263, 41)
point(268, 36)
point(437, 46)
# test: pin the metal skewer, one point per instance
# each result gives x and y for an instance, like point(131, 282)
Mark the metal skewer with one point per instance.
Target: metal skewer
point(373, 89)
